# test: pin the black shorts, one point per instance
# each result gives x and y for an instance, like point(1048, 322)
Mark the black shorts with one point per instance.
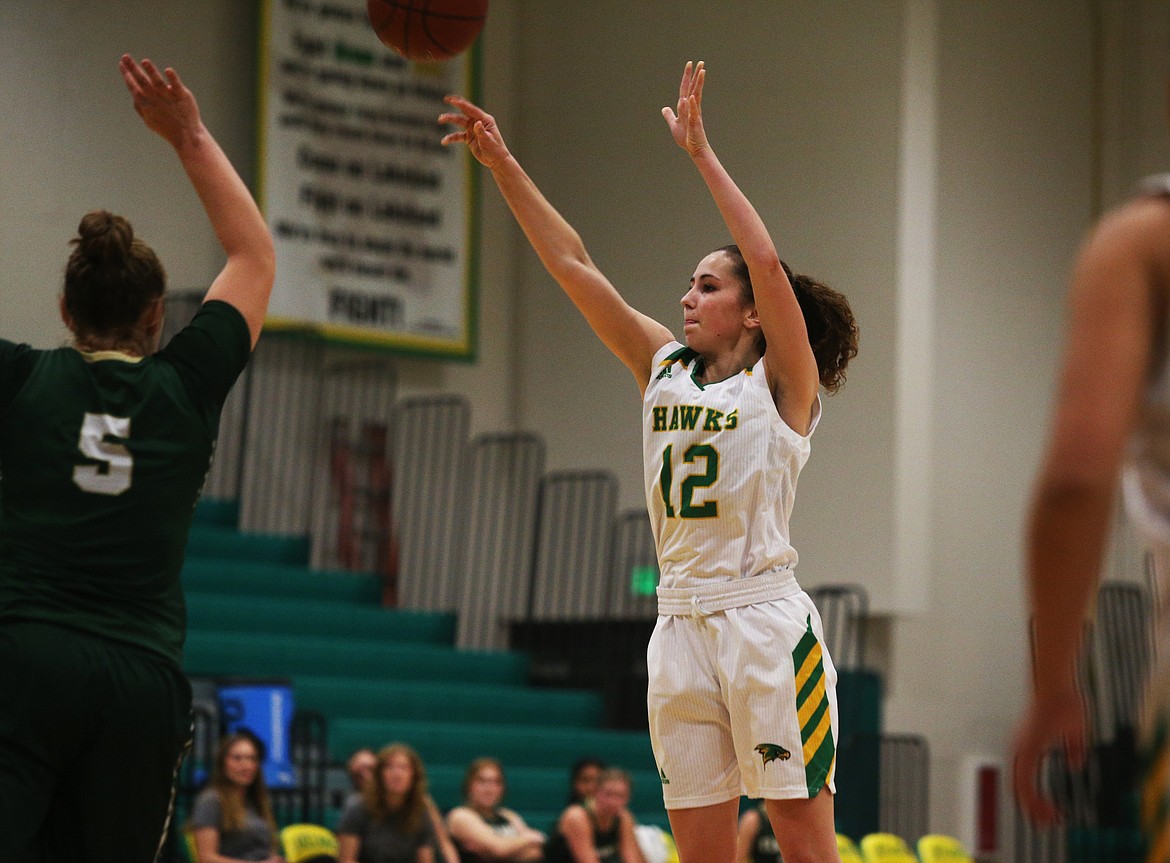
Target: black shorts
point(91, 737)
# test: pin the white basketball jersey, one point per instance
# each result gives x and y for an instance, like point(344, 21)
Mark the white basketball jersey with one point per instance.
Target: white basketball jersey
point(1146, 477)
point(720, 469)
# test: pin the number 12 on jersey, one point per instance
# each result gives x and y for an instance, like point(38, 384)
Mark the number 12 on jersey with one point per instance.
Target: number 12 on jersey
point(691, 483)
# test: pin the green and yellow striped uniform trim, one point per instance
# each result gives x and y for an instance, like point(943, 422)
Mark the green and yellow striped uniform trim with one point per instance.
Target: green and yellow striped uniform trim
point(812, 711)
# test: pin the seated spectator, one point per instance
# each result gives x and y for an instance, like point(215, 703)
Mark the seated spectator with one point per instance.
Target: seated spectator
point(482, 829)
point(391, 822)
point(232, 819)
point(754, 840)
point(599, 829)
point(583, 779)
point(360, 769)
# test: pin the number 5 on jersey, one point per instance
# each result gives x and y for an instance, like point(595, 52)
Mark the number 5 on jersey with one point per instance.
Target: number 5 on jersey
point(112, 476)
point(694, 481)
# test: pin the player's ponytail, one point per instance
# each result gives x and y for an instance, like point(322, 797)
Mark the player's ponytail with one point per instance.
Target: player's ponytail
point(110, 278)
point(832, 331)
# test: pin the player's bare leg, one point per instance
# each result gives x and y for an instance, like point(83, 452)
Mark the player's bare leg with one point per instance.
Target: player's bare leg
point(805, 829)
point(705, 834)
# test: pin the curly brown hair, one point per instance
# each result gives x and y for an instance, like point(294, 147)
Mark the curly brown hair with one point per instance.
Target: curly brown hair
point(832, 330)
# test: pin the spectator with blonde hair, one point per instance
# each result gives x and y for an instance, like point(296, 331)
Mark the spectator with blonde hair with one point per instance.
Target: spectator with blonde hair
point(232, 817)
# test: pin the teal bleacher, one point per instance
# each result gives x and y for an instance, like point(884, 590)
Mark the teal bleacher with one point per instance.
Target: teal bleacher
point(378, 676)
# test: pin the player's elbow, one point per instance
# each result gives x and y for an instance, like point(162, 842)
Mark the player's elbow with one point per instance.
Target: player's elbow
point(265, 260)
point(570, 262)
point(255, 261)
point(763, 261)
point(260, 269)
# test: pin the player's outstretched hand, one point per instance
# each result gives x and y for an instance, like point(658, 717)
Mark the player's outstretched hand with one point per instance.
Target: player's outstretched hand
point(1057, 722)
point(165, 104)
point(687, 124)
point(477, 129)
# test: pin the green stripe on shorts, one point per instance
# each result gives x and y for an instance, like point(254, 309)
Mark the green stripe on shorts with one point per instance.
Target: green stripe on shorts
point(812, 710)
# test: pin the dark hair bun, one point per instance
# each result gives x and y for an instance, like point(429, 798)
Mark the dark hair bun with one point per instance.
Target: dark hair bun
point(104, 237)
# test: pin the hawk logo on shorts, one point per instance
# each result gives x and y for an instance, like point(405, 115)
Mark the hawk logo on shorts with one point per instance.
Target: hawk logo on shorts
point(773, 752)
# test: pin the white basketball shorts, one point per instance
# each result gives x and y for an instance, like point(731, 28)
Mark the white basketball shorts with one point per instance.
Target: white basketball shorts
point(741, 700)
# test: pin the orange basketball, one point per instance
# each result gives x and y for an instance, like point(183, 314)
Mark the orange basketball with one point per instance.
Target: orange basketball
point(427, 30)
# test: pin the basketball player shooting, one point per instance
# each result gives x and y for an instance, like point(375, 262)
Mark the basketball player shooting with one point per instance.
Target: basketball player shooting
point(728, 414)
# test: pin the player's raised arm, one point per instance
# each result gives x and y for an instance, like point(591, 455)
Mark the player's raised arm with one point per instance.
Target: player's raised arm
point(169, 109)
point(630, 335)
point(789, 359)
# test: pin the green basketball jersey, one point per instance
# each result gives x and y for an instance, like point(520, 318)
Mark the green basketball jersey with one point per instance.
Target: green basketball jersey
point(102, 458)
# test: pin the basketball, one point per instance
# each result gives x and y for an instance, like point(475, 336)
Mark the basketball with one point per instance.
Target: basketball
point(427, 30)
